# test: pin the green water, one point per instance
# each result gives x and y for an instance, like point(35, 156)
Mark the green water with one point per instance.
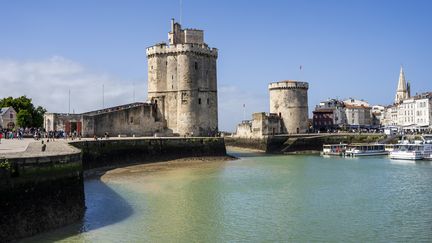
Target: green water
point(261, 198)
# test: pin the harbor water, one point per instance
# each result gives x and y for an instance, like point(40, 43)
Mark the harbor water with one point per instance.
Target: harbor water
point(260, 198)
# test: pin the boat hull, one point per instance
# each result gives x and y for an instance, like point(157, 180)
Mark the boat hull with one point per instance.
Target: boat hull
point(406, 156)
point(359, 154)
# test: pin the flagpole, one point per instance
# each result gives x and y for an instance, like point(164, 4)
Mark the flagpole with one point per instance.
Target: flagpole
point(69, 102)
point(103, 96)
point(301, 73)
point(181, 11)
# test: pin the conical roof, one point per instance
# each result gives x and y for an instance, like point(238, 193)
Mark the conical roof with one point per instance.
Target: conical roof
point(402, 83)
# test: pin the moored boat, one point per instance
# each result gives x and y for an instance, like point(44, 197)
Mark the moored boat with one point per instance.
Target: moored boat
point(390, 147)
point(416, 150)
point(334, 149)
point(355, 150)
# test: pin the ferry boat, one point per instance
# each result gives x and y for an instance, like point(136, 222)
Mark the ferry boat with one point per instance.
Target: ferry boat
point(334, 149)
point(355, 150)
point(390, 147)
point(416, 150)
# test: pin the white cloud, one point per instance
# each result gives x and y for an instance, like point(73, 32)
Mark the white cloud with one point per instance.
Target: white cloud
point(48, 82)
point(231, 111)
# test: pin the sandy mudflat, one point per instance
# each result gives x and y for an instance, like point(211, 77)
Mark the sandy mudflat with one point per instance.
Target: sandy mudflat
point(243, 149)
point(194, 162)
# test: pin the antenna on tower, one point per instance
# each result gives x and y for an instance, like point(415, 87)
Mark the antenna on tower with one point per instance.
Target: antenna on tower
point(103, 96)
point(181, 11)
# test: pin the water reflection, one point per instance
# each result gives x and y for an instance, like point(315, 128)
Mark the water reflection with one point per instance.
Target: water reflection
point(104, 207)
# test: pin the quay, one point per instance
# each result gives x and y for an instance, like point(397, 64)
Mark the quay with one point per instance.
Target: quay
point(44, 190)
point(301, 143)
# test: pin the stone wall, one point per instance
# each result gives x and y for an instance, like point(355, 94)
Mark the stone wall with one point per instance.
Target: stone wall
point(288, 144)
point(39, 194)
point(251, 143)
point(139, 121)
point(115, 152)
point(262, 124)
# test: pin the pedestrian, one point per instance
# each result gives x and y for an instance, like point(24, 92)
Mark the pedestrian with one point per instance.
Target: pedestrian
point(1, 135)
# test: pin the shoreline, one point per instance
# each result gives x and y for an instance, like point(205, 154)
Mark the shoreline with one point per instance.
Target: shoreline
point(156, 166)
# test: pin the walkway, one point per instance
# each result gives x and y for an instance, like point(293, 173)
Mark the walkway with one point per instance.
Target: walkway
point(15, 148)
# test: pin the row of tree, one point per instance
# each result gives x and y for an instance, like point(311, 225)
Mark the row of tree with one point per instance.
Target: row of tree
point(27, 114)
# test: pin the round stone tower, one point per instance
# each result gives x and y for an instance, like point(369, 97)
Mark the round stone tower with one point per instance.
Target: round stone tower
point(182, 82)
point(289, 100)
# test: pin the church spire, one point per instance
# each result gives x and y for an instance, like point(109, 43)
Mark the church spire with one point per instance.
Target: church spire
point(401, 83)
point(401, 92)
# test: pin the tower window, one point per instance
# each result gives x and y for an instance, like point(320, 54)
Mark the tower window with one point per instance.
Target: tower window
point(131, 119)
point(196, 66)
point(152, 67)
point(208, 101)
point(166, 63)
point(199, 101)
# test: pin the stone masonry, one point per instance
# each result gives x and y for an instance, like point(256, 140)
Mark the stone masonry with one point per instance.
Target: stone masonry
point(289, 100)
point(182, 82)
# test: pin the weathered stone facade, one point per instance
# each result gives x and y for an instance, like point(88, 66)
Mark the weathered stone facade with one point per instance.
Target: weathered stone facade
point(289, 100)
point(182, 82)
point(136, 119)
point(262, 124)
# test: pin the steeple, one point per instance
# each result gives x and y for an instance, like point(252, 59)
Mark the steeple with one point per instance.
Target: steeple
point(401, 92)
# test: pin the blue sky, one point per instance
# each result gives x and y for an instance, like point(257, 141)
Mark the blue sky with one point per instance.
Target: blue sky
point(346, 48)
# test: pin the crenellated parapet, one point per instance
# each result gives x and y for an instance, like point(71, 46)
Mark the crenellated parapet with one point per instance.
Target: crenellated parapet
point(198, 49)
point(288, 84)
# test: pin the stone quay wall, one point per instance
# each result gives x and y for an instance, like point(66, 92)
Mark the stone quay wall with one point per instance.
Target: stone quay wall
point(295, 144)
point(118, 152)
point(39, 194)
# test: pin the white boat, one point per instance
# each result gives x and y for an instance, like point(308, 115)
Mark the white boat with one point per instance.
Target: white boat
point(427, 138)
point(416, 150)
point(355, 150)
point(334, 149)
point(390, 147)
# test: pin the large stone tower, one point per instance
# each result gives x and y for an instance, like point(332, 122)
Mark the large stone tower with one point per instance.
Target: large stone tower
point(289, 100)
point(403, 89)
point(182, 82)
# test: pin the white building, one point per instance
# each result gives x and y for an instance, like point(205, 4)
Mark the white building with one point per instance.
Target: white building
point(377, 113)
point(415, 113)
point(390, 116)
point(409, 113)
point(358, 112)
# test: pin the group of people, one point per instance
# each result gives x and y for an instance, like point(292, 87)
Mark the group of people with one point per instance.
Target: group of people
point(36, 133)
point(12, 134)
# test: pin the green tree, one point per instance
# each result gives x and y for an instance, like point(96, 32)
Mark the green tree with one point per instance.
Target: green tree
point(37, 116)
point(24, 118)
point(30, 116)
